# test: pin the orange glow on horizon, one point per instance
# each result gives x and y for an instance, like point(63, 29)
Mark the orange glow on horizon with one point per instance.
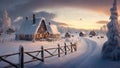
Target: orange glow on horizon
point(87, 25)
point(78, 18)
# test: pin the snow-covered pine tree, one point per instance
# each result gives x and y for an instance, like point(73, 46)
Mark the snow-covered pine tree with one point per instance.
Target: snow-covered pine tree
point(6, 22)
point(111, 48)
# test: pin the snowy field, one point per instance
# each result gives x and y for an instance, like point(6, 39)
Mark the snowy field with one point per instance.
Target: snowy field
point(87, 56)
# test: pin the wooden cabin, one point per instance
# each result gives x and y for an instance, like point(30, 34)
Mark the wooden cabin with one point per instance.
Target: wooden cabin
point(67, 35)
point(92, 33)
point(82, 34)
point(35, 29)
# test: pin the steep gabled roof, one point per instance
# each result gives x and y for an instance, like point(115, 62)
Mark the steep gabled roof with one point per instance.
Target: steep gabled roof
point(28, 27)
point(52, 29)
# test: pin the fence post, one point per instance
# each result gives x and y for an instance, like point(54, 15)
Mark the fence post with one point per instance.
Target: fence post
point(21, 57)
point(76, 47)
point(65, 49)
point(42, 53)
point(71, 47)
point(58, 50)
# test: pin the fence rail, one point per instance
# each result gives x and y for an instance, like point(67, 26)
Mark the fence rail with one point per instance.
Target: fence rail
point(39, 55)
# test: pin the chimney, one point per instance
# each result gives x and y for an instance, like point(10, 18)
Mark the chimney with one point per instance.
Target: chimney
point(26, 18)
point(34, 21)
point(49, 23)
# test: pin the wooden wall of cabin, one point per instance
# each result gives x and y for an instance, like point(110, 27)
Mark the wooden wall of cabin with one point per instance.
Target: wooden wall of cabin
point(41, 36)
point(42, 28)
point(36, 36)
point(54, 35)
point(24, 37)
point(42, 31)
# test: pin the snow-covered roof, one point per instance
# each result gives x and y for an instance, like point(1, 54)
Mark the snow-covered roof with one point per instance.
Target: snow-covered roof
point(52, 29)
point(83, 32)
point(28, 27)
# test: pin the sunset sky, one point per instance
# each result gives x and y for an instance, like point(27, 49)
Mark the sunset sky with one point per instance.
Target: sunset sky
point(80, 14)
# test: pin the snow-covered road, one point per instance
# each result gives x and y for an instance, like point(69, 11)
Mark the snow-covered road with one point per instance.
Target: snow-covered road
point(79, 60)
point(74, 60)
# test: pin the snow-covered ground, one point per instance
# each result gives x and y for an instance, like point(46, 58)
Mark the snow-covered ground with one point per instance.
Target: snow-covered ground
point(88, 54)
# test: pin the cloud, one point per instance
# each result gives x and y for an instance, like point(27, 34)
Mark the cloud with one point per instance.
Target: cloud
point(18, 19)
point(102, 22)
point(46, 15)
point(62, 24)
point(25, 7)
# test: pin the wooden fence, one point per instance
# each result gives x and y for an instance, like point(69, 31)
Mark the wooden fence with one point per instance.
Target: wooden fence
point(38, 54)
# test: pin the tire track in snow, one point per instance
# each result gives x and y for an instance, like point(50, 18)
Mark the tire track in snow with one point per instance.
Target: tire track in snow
point(92, 45)
point(76, 62)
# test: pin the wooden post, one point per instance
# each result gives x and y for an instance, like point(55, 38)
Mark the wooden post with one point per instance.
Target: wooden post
point(71, 47)
point(75, 47)
point(65, 49)
point(42, 53)
point(58, 50)
point(21, 57)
